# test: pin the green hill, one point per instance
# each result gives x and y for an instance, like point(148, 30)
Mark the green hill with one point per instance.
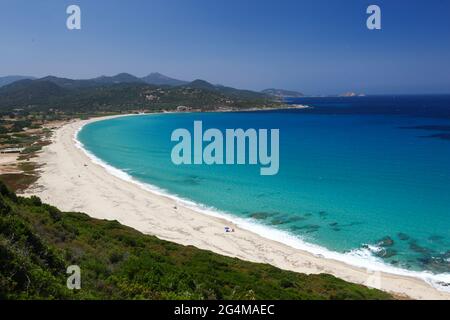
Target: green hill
point(38, 242)
point(158, 79)
point(122, 93)
point(31, 92)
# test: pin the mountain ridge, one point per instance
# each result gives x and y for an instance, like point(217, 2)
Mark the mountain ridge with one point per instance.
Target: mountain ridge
point(154, 79)
point(124, 92)
point(4, 81)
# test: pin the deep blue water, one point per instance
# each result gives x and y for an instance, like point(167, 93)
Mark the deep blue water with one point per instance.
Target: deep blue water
point(367, 175)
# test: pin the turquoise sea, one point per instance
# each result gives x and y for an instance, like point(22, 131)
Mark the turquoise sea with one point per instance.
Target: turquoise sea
point(363, 180)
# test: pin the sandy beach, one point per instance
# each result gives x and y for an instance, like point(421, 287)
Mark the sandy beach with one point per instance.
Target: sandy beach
point(72, 182)
point(8, 163)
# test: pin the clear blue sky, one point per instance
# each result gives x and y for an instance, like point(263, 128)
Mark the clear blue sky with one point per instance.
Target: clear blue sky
point(317, 47)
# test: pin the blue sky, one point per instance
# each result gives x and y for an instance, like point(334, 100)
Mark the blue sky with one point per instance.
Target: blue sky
point(317, 47)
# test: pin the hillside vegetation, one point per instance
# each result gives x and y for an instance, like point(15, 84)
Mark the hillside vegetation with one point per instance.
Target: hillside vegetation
point(123, 93)
point(38, 242)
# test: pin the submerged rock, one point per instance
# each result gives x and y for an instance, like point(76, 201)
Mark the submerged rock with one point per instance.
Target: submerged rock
point(419, 249)
point(306, 228)
point(446, 255)
point(261, 215)
point(351, 224)
point(277, 221)
point(333, 224)
point(310, 228)
point(386, 253)
point(192, 180)
point(295, 228)
point(386, 242)
point(379, 251)
point(390, 253)
point(323, 214)
point(436, 238)
point(403, 236)
point(296, 218)
point(436, 264)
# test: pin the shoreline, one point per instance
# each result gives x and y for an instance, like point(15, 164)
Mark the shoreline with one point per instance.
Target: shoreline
point(71, 181)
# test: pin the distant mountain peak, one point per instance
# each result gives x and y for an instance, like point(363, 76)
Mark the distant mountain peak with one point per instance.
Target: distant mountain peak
point(159, 79)
point(200, 81)
point(202, 84)
point(119, 78)
point(157, 74)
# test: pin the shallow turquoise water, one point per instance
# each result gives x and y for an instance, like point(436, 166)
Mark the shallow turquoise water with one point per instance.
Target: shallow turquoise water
point(345, 181)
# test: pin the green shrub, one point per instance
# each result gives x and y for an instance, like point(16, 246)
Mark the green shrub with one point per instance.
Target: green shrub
point(38, 242)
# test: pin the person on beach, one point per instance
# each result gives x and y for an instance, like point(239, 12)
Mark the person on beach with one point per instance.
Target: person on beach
point(228, 229)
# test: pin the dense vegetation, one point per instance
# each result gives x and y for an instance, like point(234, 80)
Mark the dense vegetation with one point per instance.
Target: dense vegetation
point(38, 242)
point(122, 93)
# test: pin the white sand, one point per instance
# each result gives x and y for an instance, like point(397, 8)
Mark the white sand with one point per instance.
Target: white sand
point(70, 181)
point(8, 163)
point(8, 158)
